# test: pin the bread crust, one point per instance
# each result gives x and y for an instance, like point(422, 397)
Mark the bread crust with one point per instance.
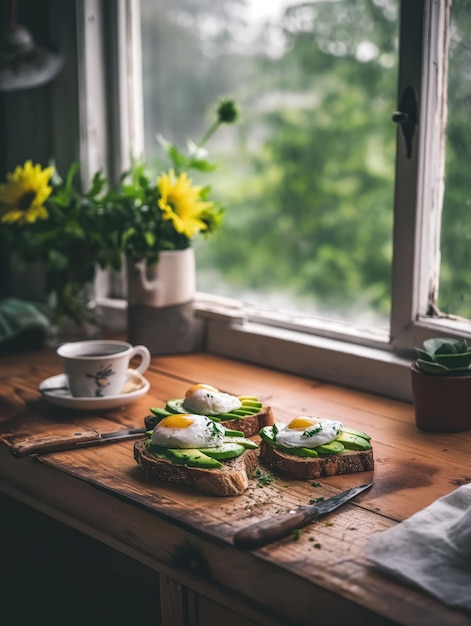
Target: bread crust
point(302, 468)
point(249, 425)
point(229, 480)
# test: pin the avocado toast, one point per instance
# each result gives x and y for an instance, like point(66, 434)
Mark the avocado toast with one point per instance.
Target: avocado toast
point(311, 448)
point(196, 451)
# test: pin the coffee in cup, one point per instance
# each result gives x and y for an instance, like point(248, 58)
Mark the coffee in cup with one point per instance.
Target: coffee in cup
point(99, 368)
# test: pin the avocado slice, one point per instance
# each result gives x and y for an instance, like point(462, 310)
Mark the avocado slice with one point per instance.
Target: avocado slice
point(236, 415)
point(333, 447)
point(266, 433)
point(156, 450)
point(192, 458)
point(353, 442)
point(160, 413)
point(305, 452)
point(233, 433)
point(358, 433)
point(242, 441)
point(225, 451)
point(237, 412)
point(175, 406)
point(250, 403)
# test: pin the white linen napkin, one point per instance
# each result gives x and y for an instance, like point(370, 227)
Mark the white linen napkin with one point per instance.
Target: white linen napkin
point(431, 549)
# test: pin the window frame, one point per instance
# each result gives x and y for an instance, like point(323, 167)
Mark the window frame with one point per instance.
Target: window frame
point(420, 180)
point(362, 358)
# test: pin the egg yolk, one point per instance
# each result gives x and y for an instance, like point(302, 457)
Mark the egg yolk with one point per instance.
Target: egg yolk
point(194, 388)
point(300, 423)
point(181, 420)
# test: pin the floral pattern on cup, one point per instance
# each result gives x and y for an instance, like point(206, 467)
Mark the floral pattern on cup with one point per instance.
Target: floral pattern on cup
point(102, 379)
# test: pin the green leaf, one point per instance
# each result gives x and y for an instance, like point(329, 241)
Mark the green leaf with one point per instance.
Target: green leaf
point(149, 238)
point(454, 361)
point(424, 355)
point(98, 185)
point(202, 165)
point(431, 368)
point(437, 345)
point(205, 193)
point(177, 157)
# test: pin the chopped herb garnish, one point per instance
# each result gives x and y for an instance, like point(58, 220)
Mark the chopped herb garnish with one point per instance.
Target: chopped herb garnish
point(310, 432)
point(262, 477)
point(316, 500)
point(318, 546)
point(297, 534)
point(316, 484)
point(214, 429)
point(329, 523)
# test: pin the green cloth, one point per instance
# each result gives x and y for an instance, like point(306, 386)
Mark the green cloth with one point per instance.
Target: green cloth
point(22, 325)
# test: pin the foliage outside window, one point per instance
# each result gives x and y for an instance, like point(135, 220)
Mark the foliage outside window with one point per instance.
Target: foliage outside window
point(310, 170)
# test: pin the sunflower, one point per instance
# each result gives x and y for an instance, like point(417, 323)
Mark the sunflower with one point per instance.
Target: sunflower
point(181, 203)
point(22, 197)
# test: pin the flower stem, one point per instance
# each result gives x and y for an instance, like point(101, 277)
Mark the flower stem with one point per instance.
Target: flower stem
point(209, 133)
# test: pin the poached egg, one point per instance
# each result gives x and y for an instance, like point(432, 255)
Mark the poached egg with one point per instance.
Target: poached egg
point(184, 430)
point(205, 399)
point(307, 432)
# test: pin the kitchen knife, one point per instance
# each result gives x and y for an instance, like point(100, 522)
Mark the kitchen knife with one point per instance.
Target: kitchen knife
point(70, 441)
point(273, 528)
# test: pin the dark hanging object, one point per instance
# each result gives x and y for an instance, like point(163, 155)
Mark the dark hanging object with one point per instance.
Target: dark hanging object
point(24, 64)
point(406, 116)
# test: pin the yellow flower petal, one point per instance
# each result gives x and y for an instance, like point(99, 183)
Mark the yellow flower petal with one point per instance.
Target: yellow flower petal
point(181, 203)
point(23, 196)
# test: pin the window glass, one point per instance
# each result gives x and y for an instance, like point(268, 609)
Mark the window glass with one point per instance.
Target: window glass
point(307, 175)
point(455, 271)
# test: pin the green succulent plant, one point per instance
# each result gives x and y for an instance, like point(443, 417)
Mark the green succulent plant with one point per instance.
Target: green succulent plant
point(444, 356)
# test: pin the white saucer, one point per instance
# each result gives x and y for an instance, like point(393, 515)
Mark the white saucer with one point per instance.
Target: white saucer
point(55, 390)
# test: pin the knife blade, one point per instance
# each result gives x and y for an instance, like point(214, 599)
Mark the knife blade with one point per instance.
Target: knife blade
point(44, 445)
point(273, 528)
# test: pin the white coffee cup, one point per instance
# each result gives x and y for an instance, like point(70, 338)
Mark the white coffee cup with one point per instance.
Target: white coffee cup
point(99, 368)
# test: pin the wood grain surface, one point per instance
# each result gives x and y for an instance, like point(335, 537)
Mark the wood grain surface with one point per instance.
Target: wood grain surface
point(188, 536)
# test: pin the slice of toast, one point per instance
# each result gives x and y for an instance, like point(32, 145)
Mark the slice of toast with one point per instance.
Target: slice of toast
point(229, 480)
point(250, 425)
point(305, 468)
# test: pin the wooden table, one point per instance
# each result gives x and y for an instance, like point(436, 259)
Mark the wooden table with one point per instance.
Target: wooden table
point(186, 537)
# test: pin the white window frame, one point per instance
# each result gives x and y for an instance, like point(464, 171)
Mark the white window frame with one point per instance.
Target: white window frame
point(333, 352)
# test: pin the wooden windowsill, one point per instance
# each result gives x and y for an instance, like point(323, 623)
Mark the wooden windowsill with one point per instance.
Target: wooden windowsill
point(340, 359)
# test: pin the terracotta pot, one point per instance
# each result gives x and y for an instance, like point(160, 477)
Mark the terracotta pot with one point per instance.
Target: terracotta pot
point(442, 403)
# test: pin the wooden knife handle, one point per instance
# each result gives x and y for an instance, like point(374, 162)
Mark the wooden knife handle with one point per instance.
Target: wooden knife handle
point(53, 444)
point(269, 530)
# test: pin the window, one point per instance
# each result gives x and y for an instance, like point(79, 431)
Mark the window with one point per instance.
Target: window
point(308, 175)
point(392, 197)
